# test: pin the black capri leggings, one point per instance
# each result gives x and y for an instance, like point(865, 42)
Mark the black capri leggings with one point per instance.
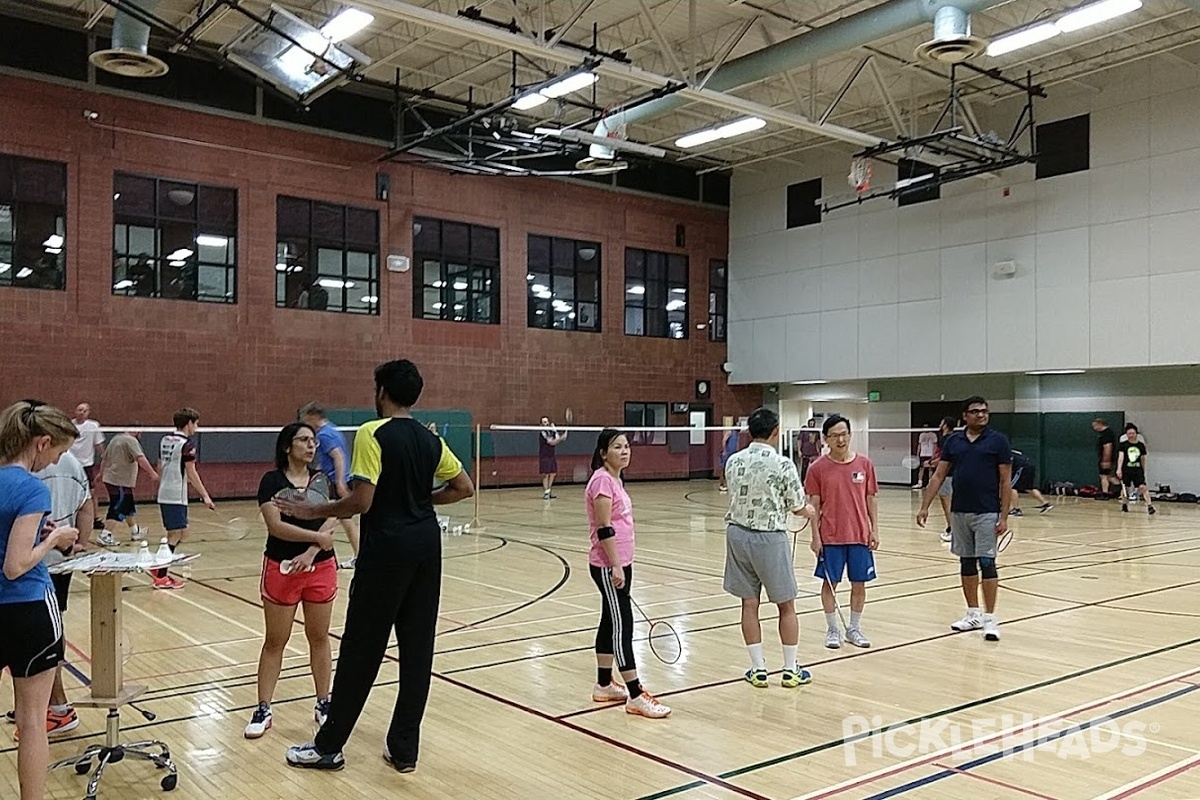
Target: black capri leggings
point(615, 635)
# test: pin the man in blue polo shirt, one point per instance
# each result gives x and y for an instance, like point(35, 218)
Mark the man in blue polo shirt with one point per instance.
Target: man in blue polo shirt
point(980, 460)
point(333, 460)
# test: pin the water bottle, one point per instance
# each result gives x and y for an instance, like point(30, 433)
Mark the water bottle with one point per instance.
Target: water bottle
point(143, 556)
point(164, 554)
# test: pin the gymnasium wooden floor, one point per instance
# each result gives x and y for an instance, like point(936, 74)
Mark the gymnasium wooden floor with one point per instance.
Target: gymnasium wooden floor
point(1093, 692)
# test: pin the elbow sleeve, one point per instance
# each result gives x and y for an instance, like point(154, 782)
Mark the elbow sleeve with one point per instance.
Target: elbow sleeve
point(606, 532)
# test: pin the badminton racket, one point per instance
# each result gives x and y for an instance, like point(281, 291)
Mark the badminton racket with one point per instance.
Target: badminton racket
point(68, 494)
point(823, 566)
point(664, 639)
point(910, 462)
point(1005, 540)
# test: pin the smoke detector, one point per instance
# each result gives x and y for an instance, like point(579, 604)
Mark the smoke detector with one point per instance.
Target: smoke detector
point(952, 42)
point(129, 63)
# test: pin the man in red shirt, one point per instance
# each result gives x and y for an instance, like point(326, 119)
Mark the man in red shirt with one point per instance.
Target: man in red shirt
point(841, 487)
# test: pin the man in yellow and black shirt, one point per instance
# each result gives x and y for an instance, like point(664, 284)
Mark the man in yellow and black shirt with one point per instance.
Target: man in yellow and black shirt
point(397, 577)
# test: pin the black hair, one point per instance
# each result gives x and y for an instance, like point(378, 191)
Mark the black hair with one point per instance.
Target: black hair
point(401, 381)
point(283, 444)
point(603, 441)
point(949, 422)
point(1129, 426)
point(973, 400)
point(832, 420)
point(762, 423)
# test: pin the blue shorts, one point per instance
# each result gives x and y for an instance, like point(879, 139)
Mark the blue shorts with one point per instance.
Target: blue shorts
point(856, 560)
point(174, 517)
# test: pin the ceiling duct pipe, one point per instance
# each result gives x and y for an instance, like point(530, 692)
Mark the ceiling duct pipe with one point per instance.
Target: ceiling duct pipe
point(952, 42)
point(129, 55)
point(841, 36)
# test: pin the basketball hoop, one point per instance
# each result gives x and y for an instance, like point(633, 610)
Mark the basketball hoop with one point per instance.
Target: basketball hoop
point(860, 174)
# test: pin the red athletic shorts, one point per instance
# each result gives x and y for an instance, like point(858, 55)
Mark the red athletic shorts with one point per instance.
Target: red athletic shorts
point(318, 586)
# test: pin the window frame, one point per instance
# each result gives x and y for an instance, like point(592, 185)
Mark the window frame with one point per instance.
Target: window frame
point(551, 313)
point(1070, 135)
point(801, 207)
point(481, 269)
point(653, 438)
point(21, 204)
point(718, 300)
point(308, 259)
point(658, 291)
point(921, 192)
point(159, 224)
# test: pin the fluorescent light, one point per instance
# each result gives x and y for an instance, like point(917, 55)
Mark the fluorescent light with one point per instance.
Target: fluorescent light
point(678, 290)
point(905, 182)
point(4, 267)
point(676, 305)
point(529, 277)
point(531, 100)
point(178, 264)
point(1096, 12)
point(180, 255)
point(580, 80)
point(726, 131)
point(1056, 372)
point(460, 286)
point(544, 295)
point(346, 24)
point(369, 299)
point(53, 240)
point(738, 127)
point(571, 315)
point(439, 306)
point(636, 289)
point(459, 306)
point(698, 138)
point(53, 250)
point(281, 267)
point(334, 283)
point(1023, 38)
point(538, 288)
point(25, 272)
point(809, 383)
point(438, 284)
point(209, 240)
point(126, 284)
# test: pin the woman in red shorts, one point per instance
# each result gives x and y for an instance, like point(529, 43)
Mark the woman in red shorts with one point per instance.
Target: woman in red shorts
point(310, 577)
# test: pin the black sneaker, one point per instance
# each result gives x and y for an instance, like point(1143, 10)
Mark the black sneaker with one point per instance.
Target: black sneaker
point(307, 756)
point(403, 767)
point(11, 717)
point(1016, 512)
point(1125, 507)
point(1151, 510)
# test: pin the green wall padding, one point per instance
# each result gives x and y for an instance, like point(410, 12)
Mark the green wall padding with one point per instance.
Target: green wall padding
point(1069, 445)
point(455, 425)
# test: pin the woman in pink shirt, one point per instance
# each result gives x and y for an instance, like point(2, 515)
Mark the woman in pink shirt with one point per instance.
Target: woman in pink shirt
point(610, 560)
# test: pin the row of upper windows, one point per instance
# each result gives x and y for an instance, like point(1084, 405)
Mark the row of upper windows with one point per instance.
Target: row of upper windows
point(178, 240)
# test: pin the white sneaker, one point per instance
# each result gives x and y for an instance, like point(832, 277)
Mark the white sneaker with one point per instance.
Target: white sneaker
point(947, 536)
point(613, 693)
point(644, 705)
point(106, 539)
point(917, 487)
point(833, 638)
point(260, 723)
point(138, 533)
point(855, 637)
point(991, 628)
point(971, 621)
point(348, 563)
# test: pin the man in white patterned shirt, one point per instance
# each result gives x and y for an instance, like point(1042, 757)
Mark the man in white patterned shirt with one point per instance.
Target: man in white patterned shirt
point(764, 489)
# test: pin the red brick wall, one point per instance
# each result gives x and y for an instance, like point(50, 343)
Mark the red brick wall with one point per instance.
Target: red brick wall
point(251, 363)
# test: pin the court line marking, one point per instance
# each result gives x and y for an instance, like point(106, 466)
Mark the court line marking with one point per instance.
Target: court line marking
point(996, 782)
point(965, 706)
point(925, 780)
point(181, 634)
point(895, 769)
point(1153, 779)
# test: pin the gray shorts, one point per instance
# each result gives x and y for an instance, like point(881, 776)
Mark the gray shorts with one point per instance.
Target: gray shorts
point(947, 487)
point(754, 559)
point(973, 535)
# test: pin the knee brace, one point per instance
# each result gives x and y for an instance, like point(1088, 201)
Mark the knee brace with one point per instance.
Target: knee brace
point(968, 567)
point(988, 567)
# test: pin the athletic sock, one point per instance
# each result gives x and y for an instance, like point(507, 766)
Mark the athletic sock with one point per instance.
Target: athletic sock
point(789, 656)
point(757, 661)
point(831, 621)
point(603, 676)
point(635, 688)
point(855, 618)
point(60, 710)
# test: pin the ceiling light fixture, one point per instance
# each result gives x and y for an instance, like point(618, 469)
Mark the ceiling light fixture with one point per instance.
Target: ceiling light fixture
point(210, 240)
point(727, 131)
point(810, 383)
point(1094, 13)
point(571, 83)
point(1022, 38)
point(346, 24)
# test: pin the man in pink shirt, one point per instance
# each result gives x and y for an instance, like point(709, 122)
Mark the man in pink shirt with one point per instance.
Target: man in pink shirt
point(841, 487)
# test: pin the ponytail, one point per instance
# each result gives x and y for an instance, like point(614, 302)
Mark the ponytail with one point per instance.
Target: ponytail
point(23, 422)
point(605, 439)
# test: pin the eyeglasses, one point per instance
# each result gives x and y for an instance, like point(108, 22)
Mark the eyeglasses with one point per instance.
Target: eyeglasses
point(978, 412)
point(837, 436)
point(304, 439)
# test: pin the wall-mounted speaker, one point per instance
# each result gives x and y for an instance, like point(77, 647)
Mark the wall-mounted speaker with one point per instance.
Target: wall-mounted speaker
point(383, 186)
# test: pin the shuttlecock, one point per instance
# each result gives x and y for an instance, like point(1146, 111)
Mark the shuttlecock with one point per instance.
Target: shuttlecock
point(164, 554)
point(143, 556)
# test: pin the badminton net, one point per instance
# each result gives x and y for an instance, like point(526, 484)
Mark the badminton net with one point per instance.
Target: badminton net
point(897, 453)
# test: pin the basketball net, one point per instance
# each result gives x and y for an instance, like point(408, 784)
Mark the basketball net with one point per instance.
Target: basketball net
point(860, 174)
point(615, 125)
